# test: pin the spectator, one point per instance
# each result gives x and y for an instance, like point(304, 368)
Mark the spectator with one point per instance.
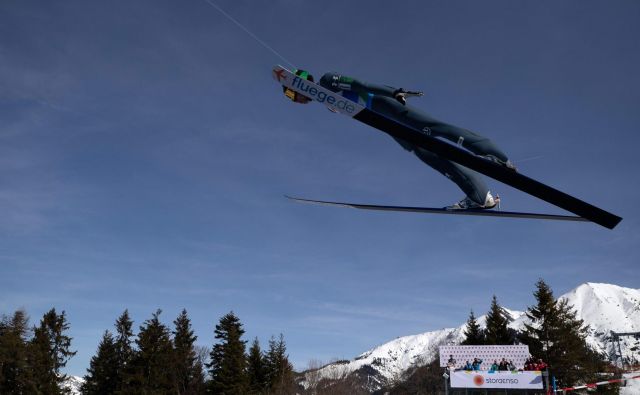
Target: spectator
point(540, 365)
point(503, 365)
point(476, 363)
point(528, 365)
point(451, 362)
point(468, 367)
point(494, 367)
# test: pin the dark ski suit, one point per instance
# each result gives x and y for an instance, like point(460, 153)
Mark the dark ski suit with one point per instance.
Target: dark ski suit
point(384, 102)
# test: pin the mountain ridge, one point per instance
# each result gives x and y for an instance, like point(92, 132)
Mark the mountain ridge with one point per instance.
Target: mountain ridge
point(604, 307)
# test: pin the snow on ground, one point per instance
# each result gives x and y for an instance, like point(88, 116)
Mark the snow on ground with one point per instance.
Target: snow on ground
point(633, 386)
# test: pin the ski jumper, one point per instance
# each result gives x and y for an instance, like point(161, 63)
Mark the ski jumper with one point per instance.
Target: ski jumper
point(384, 102)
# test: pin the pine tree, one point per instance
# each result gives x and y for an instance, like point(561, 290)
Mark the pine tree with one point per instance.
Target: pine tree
point(199, 385)
point(124, 352)
point(5, 358)
point(255, 369)
point(474, 336)
point(49, 352)
point(153, 363)
point(188, 372)
point(103, 368)
point(279, 372)
point(557, 336)
point(15, 374)
point(570, 348)
point(497, 329)
point(227, 366)
point(543, 317)
point(41, 363)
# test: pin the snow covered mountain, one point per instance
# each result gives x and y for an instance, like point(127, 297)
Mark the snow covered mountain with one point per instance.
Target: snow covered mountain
point(604, 307)
point(607, 308)
point(73, 384)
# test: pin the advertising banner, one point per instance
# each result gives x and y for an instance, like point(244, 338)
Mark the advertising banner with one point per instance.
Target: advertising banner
point(508, 380)
point(516, 354)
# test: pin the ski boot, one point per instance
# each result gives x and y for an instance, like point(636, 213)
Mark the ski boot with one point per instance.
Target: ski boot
point(466, 204)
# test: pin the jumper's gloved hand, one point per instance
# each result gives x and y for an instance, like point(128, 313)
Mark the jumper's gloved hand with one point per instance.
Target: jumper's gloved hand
point(401, 95)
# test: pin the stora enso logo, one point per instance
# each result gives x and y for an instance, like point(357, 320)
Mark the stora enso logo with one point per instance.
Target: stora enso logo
point(311, 91)
point(479, 380)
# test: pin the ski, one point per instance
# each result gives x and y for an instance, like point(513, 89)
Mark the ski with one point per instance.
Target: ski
point(364, 114)
point(434, 210)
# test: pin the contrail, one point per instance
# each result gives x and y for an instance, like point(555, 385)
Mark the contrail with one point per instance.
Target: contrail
point(267, 46)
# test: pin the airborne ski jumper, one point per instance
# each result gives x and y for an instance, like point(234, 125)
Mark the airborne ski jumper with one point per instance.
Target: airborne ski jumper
point(457, 153)
point(392, 103)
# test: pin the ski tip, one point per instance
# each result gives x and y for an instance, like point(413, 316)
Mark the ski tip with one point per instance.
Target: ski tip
point(302, 200)
point(613, 222)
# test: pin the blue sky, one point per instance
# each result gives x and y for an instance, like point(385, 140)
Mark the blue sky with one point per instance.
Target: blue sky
point(145, 151)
